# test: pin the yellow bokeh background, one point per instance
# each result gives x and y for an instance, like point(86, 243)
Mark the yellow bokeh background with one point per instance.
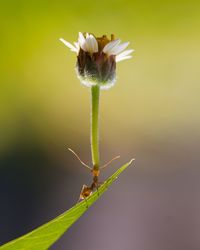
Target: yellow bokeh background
point(156, 91)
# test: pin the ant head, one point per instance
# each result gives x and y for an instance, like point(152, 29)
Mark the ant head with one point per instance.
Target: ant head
point(95, 172)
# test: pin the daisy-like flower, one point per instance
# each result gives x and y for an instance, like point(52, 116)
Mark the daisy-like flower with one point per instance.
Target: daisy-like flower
point(97, 58)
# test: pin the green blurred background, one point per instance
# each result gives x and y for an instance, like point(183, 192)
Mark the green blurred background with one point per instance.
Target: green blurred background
point(151, 114)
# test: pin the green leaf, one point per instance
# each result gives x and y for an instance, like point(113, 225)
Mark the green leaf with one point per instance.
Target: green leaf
point(44, 236)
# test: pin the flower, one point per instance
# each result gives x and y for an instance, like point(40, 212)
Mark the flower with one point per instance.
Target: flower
point(97, 58)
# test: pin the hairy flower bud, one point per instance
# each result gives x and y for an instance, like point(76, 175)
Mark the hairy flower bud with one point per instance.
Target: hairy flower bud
point(96, 59)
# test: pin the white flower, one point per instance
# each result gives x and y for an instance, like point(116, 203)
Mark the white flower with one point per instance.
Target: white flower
point(90, 44)
point(97, 58)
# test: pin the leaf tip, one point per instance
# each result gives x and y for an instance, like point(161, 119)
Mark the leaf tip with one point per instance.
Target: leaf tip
point(133, 159)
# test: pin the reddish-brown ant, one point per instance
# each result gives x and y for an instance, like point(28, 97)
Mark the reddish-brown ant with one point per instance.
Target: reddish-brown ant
point(86, 191)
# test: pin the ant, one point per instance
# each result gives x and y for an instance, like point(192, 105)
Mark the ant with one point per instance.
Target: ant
point(86, 191)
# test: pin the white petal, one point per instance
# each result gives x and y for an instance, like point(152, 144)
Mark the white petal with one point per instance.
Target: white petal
point(109, 46)
point(76, 44)
point(119, 59)
point(119, 48)
point(93, 44)
point(82, 42)
point(69, 45)
point(126, 52)
point(88, 43)
point(124, 55)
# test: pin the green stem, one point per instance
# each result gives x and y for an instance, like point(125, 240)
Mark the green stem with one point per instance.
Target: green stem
point(95, 92)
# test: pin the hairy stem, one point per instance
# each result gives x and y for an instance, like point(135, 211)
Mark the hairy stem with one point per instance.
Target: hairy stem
point(95, 93)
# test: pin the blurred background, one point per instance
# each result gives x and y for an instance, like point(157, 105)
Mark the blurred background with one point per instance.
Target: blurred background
point(152, 114)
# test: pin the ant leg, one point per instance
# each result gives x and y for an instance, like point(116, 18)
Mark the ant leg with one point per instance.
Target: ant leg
point(81, 196)
point(97, 187)
point(85, 199)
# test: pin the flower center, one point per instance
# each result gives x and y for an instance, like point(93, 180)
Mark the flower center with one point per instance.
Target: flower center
point(102, 41)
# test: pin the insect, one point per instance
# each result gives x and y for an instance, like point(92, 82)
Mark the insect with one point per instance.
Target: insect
point(86, 191)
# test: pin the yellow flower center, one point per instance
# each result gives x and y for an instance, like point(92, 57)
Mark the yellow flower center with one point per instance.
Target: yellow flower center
point(102, 41)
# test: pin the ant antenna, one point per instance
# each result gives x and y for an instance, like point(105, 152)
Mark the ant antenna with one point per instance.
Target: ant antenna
point(105, 165)
point(79, 159)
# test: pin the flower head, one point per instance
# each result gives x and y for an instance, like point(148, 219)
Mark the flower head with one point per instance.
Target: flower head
point(97, 58)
